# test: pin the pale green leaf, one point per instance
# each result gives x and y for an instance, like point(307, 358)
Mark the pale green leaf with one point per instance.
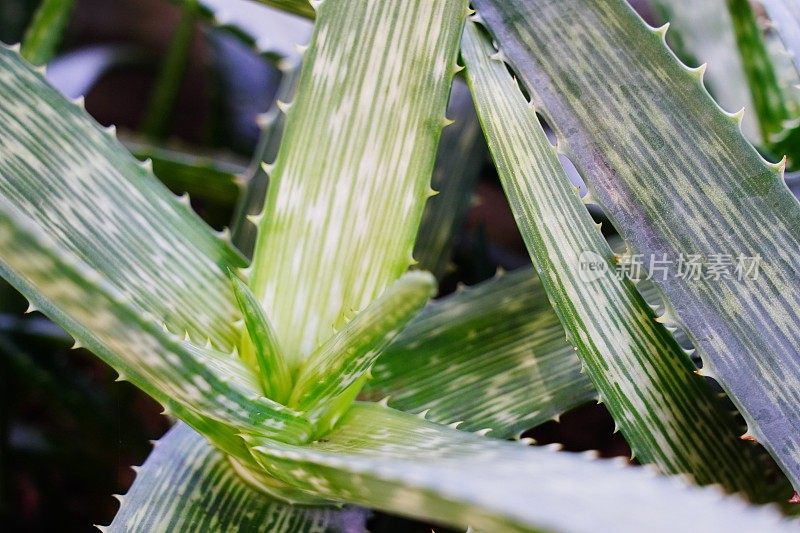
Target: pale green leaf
point(352, 175)
point(348, 355)
point(676, 177)
point(642, 374)
point(785, 18)
point(400, 463)
point(187, 485)
point(493, 356)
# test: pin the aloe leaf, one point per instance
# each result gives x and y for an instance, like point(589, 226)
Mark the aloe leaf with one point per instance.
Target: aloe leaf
point(768, 97)
point(492, 356)
point(347, 356)
point(187, 485)
point(83, 223)
point(678, 180)
point(640, 371)
point(251, 203)
point(340, 219)
point(701, 32)
point(400, 463)
point(261, 346)
point(182, 377)
point(460, 158)
point(76, 182)
point(45, 31)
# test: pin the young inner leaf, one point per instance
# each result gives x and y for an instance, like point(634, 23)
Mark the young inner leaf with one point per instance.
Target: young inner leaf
point(260, 346)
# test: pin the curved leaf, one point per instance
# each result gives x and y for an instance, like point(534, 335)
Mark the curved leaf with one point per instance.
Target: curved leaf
point(397, 462)
point(640, 371)
point(678, 180)
point(187, 485)
point(492, 356)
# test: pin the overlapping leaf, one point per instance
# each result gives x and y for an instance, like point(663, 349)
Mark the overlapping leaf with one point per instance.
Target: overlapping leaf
point(187, 485)
point(351, 178)
point(678, 180)
point(640, 371)
point(397, 462)
point(492, 356)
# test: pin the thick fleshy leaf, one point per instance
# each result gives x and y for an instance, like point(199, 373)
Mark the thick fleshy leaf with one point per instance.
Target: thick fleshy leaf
point(680, 183)
point(642, 374)
point(353, 172)
point(459, 161)
point(345, 358)
point(252, 201)
point(397, 462)
point(701, 32)
point(491, 356)
point(77, 183)
point(260, 346)
point(187, 485)
point(182, 377)
point(104, 250)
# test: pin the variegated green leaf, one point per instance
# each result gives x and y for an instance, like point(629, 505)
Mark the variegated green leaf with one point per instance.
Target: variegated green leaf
point(351, 178)
point(680, 183)
point(492, 356)
point(252, 201)
point(182, 377)
point(459, 161)
point(397, 462)
point(701, 32)
point(77, 183)
point(641, 373)
point(187, 485)
point(342, 361)
point(94, 241)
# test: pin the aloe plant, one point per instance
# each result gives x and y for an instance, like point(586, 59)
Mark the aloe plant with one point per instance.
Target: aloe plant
point(320, 378)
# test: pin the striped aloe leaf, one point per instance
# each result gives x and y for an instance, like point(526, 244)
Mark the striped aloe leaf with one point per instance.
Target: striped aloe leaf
point(701, 32)
point(640, 371)
point(678, 180)
point(187, 485)
point(340, 219)
point(492, 356)
point(397, 462)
